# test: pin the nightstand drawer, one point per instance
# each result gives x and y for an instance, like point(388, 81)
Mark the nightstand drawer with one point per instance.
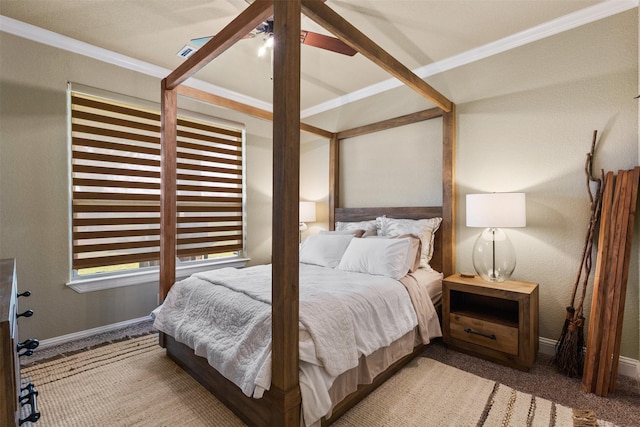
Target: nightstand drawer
point(484, 333)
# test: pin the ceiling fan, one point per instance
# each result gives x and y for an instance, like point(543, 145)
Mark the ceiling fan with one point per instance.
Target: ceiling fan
point(306, 37)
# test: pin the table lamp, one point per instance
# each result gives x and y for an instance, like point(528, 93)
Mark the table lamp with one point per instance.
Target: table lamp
point(494, 258)
point(307, 214)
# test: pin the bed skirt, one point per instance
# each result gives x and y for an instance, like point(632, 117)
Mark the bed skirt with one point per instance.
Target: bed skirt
point(368, 370)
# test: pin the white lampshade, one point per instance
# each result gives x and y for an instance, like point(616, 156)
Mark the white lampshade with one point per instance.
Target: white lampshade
point(496, 210)
point(493, 257)
point(307, 211)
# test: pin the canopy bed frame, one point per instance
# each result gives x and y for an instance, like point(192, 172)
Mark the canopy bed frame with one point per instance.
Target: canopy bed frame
point(281, 404)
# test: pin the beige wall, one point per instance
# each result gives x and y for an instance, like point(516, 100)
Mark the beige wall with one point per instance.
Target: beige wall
point(34, 185)
point(525, 123)
point(533, 135)
point(525, 120)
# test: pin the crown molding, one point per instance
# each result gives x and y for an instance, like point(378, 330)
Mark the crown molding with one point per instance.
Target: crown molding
point(50, 38)
point(539, 32)
point(564, 23)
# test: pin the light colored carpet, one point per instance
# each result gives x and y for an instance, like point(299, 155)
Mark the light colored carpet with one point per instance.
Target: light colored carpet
point(133, 383)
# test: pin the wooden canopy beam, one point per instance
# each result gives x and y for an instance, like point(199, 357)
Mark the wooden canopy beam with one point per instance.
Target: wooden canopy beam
point(330, 20)
point(242, 25)
point(244, 108)
point(407, 119)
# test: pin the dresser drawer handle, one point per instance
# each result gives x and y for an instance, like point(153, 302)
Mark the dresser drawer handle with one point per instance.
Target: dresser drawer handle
point(25, 294)
point(29, 399)
point(27, 313)
point(471, 331)
point(30, 343)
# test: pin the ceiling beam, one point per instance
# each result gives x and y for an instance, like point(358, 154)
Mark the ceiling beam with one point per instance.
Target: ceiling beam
point(338, 26)
point(242, 25)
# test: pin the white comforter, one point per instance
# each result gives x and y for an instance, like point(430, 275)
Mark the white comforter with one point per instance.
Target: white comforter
point(225, 316)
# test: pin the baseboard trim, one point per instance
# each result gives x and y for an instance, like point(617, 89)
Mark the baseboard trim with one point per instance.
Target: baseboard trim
point(64, 339)
point(627, 366)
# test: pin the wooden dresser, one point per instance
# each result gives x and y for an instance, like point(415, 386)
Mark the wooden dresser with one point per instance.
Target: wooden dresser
point(18, 404)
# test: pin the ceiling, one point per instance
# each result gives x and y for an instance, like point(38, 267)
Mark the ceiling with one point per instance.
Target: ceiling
point(421, 34)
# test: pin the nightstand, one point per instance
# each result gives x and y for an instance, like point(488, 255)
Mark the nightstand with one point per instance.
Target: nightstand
point(495, 321)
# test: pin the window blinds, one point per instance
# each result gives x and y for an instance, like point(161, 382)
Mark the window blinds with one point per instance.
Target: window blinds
point(116, 185)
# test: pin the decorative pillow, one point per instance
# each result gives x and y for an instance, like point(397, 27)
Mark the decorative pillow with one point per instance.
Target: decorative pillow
point(324, 249)
point(370, 227)
point(354, 233)
point(382, 257)
point(425, 229)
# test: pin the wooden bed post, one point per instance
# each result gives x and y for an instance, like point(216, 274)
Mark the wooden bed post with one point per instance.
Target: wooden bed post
point(286, 196)
point(449, 190)
point(168, 142)
point(334, 179)
point(168, 208)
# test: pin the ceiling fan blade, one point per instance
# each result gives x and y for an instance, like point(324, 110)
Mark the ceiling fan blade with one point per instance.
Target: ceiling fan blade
point(200, 41)
point(326, 42)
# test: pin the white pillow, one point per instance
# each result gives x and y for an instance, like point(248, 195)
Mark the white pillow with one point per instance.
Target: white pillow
point(324, 249)
point(414, 252)
point(370, 227)
point(425, 229)
point(382, 257)
point(354, 232)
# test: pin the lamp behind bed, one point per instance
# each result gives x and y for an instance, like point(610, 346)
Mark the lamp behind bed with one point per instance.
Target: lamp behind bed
point(307, 214)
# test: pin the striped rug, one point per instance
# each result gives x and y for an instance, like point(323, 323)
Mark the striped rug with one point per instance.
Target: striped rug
point(133, 383)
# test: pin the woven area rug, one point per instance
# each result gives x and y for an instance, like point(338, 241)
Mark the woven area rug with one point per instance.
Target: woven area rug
point(133, 383)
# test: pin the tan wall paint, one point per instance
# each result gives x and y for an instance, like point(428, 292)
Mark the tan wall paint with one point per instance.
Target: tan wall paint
point(34, 209)
point(525, 122)
point(34, 192)
point(539, 135)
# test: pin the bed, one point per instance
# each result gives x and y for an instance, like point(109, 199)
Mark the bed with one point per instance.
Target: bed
point(378, 314)
point(359, 313)
point(281, 404)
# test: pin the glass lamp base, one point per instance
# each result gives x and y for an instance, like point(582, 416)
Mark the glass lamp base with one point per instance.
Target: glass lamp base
point(493, 257)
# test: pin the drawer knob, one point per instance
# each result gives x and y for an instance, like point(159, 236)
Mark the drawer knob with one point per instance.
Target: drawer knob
point(27, 313)
point(25, 294)
point(471, 331)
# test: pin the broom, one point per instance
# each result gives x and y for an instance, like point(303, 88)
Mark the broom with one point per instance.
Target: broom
point(569, 357)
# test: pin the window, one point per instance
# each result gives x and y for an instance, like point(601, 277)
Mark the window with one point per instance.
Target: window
point(115, 170)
